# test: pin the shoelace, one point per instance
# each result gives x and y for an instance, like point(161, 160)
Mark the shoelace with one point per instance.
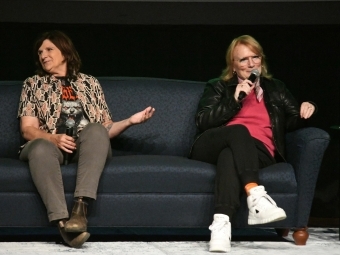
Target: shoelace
point(218, 226)
point(264, 195)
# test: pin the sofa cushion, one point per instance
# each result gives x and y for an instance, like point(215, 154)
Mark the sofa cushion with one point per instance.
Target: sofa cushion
point(161, 174)
point(279, 178)
point(170, 131)
point(147, 174)
point(15, 176)
point(10, 138)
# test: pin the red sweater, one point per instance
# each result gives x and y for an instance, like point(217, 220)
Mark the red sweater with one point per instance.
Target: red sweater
point(255, 117)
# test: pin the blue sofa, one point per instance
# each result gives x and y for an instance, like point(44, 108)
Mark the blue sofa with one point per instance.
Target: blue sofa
point(150, 182)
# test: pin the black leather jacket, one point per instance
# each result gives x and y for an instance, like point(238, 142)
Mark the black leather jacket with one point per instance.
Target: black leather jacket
point(217, 106)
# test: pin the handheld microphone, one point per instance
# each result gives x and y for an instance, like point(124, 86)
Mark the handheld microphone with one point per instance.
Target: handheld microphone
point(252, 77)
point(69, 131)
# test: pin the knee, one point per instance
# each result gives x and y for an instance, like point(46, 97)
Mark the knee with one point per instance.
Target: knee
point(41, 148)
point(94, 127)
point(95, 130)
point(226, 154)
point(238, 130)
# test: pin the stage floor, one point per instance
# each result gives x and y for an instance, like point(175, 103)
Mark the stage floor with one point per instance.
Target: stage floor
point(321, 241)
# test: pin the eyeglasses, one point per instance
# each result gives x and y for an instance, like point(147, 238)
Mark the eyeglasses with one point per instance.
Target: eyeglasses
point(245, 61)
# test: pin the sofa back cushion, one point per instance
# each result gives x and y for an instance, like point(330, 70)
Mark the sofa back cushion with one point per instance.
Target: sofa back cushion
point(10, 138)
point(170, 131)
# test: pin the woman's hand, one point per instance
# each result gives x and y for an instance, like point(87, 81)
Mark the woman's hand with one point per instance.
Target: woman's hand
point(142, 116)
point(64, 142)
point(246, 86)
point(30, 130)
point(116, 128)
point(306, 110)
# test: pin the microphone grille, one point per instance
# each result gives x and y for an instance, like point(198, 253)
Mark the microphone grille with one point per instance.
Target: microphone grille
point(256, 72)
point(70, 123)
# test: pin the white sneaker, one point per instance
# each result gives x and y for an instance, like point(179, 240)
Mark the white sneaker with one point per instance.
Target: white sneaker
point(220, 234)
point(262, 208)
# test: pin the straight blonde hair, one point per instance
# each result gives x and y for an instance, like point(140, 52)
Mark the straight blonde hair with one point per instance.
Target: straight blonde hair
point(254, 46)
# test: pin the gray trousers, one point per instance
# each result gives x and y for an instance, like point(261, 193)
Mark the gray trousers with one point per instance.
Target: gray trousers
point(44, 158)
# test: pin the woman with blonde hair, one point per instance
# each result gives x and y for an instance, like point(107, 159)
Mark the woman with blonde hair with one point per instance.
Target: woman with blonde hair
point(242, 119)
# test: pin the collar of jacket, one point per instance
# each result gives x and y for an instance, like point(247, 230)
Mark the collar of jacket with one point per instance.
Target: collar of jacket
point(51, 79)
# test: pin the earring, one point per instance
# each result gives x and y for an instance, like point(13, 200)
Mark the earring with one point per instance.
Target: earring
point(234, 72)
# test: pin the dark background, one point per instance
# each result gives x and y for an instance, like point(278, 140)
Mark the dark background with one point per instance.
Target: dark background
point(188, 40)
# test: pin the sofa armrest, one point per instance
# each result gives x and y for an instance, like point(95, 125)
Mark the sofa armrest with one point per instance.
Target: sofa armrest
point(304, 151)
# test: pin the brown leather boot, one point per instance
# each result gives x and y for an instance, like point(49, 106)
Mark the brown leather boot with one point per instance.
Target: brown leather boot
point(75, 240)
point(78, 221)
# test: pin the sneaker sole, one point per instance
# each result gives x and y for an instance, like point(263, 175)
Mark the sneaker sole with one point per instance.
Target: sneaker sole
point(275, 217)
point(219, 247)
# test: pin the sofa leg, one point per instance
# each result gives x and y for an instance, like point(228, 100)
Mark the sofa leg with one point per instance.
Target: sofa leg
point(300, 236)
point(282, 232)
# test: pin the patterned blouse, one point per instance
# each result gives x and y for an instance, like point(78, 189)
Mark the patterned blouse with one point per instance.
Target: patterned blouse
point(41, 98)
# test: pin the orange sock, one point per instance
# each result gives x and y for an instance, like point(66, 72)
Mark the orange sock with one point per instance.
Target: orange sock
point(249, 186)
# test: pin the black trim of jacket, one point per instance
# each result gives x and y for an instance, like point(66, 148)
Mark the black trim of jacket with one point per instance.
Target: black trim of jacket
point(217, 106)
